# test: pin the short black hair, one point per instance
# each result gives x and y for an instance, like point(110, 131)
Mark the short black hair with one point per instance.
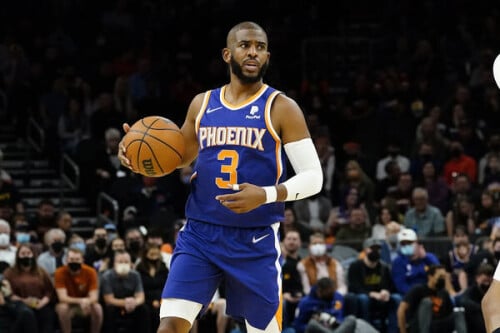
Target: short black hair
point(326, 283)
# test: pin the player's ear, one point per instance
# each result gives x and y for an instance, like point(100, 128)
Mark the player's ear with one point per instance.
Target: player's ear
point(226, 55)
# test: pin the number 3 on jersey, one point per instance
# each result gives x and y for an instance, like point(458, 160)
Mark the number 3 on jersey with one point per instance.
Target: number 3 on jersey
point(229, 166)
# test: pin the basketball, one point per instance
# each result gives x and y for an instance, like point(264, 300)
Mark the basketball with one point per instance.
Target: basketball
point(154, 146)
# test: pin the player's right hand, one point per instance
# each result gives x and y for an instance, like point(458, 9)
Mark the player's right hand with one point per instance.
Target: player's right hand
point(122, 150)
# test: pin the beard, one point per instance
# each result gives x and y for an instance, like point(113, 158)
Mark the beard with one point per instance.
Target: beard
point(236, 69)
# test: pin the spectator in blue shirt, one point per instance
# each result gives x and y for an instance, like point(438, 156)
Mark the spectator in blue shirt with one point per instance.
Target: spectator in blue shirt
point(323, 298)
point(410, 266)
point(321, 311)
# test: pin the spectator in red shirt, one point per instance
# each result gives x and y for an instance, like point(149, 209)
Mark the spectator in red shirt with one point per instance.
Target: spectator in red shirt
point(459, 163)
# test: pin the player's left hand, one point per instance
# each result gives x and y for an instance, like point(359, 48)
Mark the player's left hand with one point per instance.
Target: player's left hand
point(122, 150)
point(245, 198)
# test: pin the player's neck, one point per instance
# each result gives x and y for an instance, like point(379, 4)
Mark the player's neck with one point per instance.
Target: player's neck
point(237, 92)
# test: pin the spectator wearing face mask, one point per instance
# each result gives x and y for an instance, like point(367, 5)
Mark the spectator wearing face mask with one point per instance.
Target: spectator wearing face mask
point(154, 273)
point(76, 241)
point(370, 287)
point(490, 254)
point(98, 249)
point(124, 297)
point(410, 266)
point(472, 297)
point(117, 244)
point(155, 237)
point(55, 256)
point(77, 290)
point(459, 162)
point(134, 242)
point(319, 264)
point(22, 235)
point(32, 286)
point(7, 250)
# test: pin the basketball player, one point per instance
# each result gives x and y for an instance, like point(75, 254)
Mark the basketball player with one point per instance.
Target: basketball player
point(490, 303)
point(237, 134)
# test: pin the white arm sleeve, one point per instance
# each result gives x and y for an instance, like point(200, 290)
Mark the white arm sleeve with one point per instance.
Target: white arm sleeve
point(308, 178)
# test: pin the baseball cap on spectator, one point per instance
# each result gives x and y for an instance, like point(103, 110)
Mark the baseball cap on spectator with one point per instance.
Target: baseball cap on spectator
point(110, 227)
point(407, 235)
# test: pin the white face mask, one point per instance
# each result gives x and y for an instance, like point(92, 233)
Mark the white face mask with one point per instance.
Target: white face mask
point(318, 250)
point(4, 240)
point(122, 269)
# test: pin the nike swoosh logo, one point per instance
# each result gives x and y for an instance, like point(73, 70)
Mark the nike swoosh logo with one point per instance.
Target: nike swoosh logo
point(212, 110)
point(256, 240)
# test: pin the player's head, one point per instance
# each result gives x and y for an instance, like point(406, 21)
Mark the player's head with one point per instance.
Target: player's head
point(246, 52)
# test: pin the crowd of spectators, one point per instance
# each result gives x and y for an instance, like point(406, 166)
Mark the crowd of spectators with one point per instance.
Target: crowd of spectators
point(409, 142)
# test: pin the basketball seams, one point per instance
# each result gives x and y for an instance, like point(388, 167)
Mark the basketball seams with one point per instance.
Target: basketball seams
point(166, 122)
point(142, 141)
point(154, 156)
point(160, 140)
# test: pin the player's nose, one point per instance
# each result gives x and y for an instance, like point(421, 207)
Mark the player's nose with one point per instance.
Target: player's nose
point(252, 50)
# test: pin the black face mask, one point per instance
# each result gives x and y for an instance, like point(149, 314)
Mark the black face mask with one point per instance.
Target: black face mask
point(135, 246)
point(497, 255)
point(484, 287)
point(74, 266)
point(26, 261)
point(101, 243)
point(57, 246)
point(440, 284)
point(153, 261)
point(455, 153)
point(374, 256)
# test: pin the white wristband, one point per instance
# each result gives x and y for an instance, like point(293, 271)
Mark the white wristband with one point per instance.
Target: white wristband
point(271, 194)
